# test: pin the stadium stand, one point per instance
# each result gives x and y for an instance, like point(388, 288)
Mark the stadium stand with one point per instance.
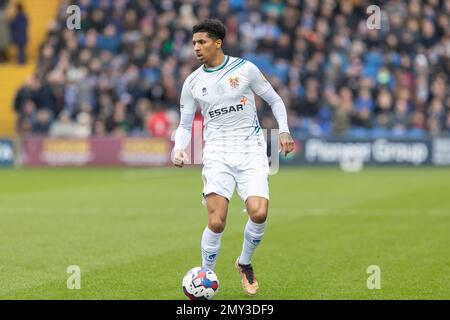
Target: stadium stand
point(122, 73)
point(13, 75)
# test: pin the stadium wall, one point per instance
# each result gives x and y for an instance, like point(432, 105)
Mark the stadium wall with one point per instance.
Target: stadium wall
point(57, 152)
point(156, 152)
point(353, 153)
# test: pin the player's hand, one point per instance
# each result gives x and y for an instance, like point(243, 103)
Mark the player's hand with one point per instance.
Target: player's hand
point(179, 158)
point(286, 143)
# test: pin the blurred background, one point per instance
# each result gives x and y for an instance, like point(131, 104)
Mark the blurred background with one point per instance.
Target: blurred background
point(120, 75)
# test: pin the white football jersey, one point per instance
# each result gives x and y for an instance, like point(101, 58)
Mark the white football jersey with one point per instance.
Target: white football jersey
point(225, 97)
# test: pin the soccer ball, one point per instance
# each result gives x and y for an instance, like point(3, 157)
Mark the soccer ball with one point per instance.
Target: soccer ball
point(200, 284)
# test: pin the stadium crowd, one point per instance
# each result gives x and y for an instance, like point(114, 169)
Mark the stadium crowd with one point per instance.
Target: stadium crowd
point(121, 74)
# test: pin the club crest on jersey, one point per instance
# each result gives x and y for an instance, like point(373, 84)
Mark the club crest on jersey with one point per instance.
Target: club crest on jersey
point(204, 91)
point(234, 82)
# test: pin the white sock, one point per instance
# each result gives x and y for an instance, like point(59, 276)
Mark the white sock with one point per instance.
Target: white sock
point(210, 248)
point(253, 234)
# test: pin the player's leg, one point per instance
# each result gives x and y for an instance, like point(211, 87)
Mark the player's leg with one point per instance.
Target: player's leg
point(217, 206)
point(253, 188)
point(257, 208)
point(253, 234)
point(219, 186)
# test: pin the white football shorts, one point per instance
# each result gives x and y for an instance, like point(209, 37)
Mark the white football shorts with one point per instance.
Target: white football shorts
point(247, 172)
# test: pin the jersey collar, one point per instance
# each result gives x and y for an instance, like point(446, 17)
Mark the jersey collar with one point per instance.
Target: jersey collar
point(218, 67)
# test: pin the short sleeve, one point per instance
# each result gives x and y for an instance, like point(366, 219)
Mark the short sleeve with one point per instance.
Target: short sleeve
point(258, 81)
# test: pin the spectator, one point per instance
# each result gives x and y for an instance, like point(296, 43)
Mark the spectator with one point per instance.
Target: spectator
point(100, 128)
point(63, 127)
point(83, 125)
point(417, 125)
point(401, 117)
point(158, 124)
point(19, 33)
point(364, 100)
point(27, 117)
point(119, 124)
point(309, 105)
point(42, 124)
point(143, 112)
point(343, 109)
point(4, 33)
point(436, 117)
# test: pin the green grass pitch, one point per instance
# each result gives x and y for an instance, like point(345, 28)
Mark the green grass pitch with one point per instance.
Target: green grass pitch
point(135, 232)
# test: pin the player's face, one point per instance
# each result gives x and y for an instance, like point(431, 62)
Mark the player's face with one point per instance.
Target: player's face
point(205, 48)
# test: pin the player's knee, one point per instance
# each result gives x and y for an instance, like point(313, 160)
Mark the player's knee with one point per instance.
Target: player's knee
point(216, 225)
point(259, 217)
point(258, 213)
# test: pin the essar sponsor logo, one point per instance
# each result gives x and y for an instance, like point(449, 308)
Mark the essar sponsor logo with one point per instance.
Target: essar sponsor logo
point(225, 110)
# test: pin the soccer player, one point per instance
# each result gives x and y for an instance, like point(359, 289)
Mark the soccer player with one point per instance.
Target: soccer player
point(234, 154)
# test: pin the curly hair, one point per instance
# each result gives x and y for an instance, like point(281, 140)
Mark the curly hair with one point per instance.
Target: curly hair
point(213, 27)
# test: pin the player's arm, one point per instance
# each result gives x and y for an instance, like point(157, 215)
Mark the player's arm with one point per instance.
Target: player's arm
point(262, 88)
point(183, 132)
